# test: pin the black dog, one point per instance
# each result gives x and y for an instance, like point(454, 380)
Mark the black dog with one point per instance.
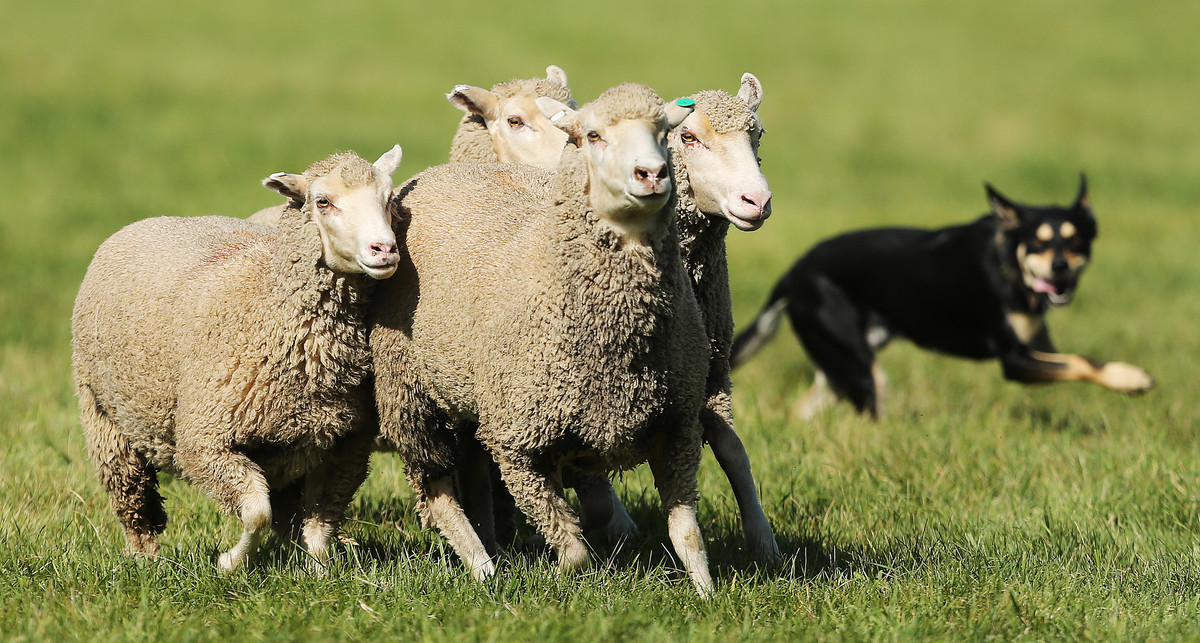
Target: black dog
point(979, 290)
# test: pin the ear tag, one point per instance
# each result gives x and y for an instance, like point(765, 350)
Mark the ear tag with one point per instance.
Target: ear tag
point(557, 117)
point(685, 102)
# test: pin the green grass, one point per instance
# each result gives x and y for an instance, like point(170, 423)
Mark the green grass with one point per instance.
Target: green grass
point(977, 509)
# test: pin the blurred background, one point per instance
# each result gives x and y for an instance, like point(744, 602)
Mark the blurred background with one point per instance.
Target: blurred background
point(877, 112)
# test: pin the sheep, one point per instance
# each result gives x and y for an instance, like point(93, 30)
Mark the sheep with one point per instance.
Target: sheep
point(552, 313)
point(505, 125)
point(718, 183)
point(235, 356)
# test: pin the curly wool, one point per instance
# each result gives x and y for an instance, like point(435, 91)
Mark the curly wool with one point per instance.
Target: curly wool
point(726, 113)
point(630, 101)
point(473, 144)
point(195, 337)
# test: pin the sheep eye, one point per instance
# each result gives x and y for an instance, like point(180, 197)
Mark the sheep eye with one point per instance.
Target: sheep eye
point(323, 202)
point(515, 122)
point(688, 137)
point(593, 136)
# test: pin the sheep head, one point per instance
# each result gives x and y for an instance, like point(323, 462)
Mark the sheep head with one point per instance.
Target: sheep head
point(348, 199)
point(518, 129)
point(622, 135)
point(718, 143)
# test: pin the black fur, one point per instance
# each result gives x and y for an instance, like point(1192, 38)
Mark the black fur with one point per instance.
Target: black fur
point(978, 290)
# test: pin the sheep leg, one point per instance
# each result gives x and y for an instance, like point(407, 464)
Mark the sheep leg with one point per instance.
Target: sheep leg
point(674, 464)
point(601, 508)
point(475, 488)
point(731, 455)
point(540, 497)
point(238, 485)
point(287, 504)
point(328, 492)
point(131, 482)
point(440, 509)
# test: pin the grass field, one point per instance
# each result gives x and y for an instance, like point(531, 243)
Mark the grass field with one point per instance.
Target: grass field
point(977, 509)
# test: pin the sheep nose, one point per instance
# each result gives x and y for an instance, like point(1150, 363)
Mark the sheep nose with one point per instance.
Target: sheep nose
point(759, 203)
point(650, 174)
point(385, 252)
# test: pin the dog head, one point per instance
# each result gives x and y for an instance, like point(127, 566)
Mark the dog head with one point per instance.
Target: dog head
point(1049, 246)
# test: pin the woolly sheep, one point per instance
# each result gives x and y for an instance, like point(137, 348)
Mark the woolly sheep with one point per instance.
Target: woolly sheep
point(505, 125)
point(235, 356)
point(718, 182)
point(555, 312)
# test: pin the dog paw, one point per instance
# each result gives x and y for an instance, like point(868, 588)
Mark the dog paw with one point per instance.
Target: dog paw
point(1125, 378)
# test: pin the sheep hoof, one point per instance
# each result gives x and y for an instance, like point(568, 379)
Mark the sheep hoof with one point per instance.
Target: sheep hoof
point(573, 557)
point(317, 567)
point(228, 563)
point(766, 551)
point(483, 570)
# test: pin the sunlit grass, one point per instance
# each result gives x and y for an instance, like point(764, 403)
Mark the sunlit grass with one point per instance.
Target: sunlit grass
point(977, 509)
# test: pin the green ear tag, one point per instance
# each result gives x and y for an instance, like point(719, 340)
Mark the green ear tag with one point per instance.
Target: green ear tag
point(685, 102)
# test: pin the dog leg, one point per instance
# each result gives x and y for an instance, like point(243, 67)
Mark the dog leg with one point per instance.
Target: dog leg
point(881, 380)
point(1053, 367)
point(830, 327)
point(818, 398)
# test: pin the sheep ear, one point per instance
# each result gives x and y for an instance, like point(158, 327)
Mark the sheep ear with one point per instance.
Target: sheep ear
point(475, 100)
point(390, 160)
point(751, 91)
point(1006, 211)
point(676, 112)
point(292, 186)
point(563, 116)
point(554, 73)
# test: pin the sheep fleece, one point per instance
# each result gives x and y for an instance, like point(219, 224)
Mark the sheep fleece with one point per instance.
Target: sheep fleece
point(206, 349)
point(536, 320)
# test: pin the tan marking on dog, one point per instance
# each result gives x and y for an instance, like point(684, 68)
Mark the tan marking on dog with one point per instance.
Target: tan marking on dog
point(819, 397)
point(1024, 325)
point(1067, 230)
point(881, 382)
point(1125, 378)
point(1117, 376)
point(1075, 260)
point(1045, 232)
point(1034, 264)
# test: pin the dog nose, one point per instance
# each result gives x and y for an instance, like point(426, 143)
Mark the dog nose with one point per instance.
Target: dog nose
point(1059, 265)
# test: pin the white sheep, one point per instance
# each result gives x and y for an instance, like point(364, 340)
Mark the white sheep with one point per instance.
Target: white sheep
point(235, 356)
point(718, 182)
point(714, 153)
point(553, 311)
point(505, 124)
point(502, 124)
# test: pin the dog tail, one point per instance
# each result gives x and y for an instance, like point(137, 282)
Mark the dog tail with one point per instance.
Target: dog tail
point(749, 341)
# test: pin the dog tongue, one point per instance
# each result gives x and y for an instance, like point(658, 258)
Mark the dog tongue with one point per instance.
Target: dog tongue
point(1044, 285)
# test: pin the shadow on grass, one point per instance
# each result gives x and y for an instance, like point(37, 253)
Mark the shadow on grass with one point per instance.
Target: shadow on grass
point(383, 534)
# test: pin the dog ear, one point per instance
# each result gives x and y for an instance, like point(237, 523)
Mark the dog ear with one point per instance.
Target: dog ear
point(1006, 212)
point(1084, 204)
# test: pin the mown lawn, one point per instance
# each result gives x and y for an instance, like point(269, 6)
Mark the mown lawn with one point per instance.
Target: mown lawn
point(977, 509)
